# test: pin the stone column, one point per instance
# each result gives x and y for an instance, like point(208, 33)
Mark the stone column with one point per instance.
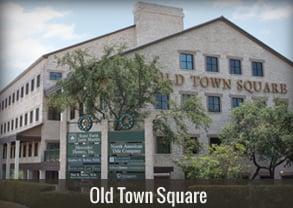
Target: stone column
point(16, 160)
point(63, 145)
point(149, 148)
point(1, 161)
point(104, 149)
point(8, 160)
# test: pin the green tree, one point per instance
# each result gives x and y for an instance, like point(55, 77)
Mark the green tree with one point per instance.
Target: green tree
point(110, 86)
point(266, 132)
point(116, 84)
point(222, 162)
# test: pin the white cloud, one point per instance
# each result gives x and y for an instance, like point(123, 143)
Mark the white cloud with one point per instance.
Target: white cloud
point(25, 34)
point(263, 11)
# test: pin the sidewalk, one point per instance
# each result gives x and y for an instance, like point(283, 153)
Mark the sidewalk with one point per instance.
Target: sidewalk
point(6, 204)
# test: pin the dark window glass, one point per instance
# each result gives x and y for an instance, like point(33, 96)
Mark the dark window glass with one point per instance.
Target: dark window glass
point(13, 97)
point(214, 104)
point(257, 69)
point(55, 75)
point(235, 66)
point(72, 113)
point(17, 95)
point(1, 128)
point(26, 88)
point(37, 114)
point(163, 146)
point(24, 150)
point(12, 125)
point(16, 123)
point(30, 149)
point(53, 114)
point(53, 146)
point(4, 128)
point(31, 116)
point(2, 104)
point(22, 91)
point(20, 121)
point(236, 102)
point(9, 101)
point(38, 80)
point(215, 141)
point(36, 149)
point(186, 61)
point(32, 84)
point(4, 151)
point(212, 64)
point(25, 119)
point(8, 126)
point(162, 102)
point(5, 102)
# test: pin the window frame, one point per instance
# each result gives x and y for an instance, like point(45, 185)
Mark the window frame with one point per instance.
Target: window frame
point(187, 63)
point(53, 77)
point(232, 70)
point(212, 57)
point(256, 73)
point(220, 104)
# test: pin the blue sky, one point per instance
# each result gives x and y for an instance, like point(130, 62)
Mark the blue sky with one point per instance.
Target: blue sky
point(31, 28)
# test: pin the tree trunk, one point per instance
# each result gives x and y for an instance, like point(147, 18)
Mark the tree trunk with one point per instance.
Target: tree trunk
point(255, 173)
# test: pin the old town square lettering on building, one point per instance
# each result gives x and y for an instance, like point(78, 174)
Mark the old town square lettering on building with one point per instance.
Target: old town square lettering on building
point(226, 84)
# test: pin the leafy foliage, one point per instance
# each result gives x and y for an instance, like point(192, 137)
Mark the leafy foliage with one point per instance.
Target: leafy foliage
point(175, 124)
point(110, 86)
point(266, 133)
point(222, 162)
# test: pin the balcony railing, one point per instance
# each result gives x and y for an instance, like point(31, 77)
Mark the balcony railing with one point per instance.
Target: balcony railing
point(52, 155)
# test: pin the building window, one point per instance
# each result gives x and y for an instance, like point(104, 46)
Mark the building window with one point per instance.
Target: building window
point(9, 101)
point(38, 80)
point(214, 104)
point(26, 88)
point(12, 125)
point(2, 104)
point(185, 97)
point(36, 149)
point(236, 101)
point(32, 84)
point(13, 97)
point(4, 151)
point(37, 114)
point(25, 119)
point(186, 61)
point(214, 141)
point(55, 75)
point(1, 128)
point(8, 126)
point(24, 150)
point(72, 113)
point(53, 114)
point(20, 121)
point(163, 146)
point(31, 116)
point(235, 66)
point(4, 128)
point(16, 123)
point(212, 64)
point(17, 95)
point(5, 102)
point(257, 69)
point(22, 92)
point(162, 102)
point(30, 149)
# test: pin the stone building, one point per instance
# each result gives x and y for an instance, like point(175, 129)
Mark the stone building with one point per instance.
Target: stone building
point(216, 60)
